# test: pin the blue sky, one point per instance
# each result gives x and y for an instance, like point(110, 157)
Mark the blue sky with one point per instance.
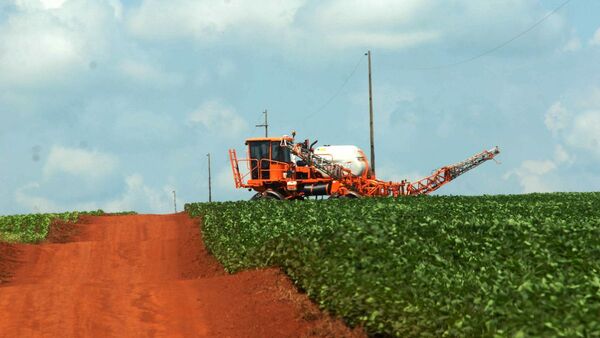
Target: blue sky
point(113, 104)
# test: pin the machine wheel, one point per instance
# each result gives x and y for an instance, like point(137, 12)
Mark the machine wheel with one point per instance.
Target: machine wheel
point(260, 196)
point(268, 195)
point(351, 194)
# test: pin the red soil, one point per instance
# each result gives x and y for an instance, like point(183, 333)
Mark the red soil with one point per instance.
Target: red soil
point(8, 261)
point(132, 276)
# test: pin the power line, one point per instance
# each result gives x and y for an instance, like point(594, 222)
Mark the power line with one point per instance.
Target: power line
point(491, 50)
point(339, 91)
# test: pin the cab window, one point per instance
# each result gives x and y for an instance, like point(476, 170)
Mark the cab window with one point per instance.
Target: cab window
point(279, 153)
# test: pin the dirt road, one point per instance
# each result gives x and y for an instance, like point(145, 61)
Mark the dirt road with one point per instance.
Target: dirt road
point(145, 276)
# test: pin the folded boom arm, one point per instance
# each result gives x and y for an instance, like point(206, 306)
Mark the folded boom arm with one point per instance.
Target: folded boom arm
point(373, 187)
point(446, 174)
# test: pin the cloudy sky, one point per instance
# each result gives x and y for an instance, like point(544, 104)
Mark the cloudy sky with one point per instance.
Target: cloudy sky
point(114, 104)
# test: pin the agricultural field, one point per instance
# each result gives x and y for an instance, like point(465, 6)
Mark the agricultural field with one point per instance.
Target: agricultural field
point(33, 228)
point(487, 266)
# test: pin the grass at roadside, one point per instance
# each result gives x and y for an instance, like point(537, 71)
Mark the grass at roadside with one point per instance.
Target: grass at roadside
point(33, 228)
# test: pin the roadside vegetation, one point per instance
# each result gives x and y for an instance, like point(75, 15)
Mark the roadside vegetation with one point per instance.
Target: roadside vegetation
point(34, 228)
point(486, 266)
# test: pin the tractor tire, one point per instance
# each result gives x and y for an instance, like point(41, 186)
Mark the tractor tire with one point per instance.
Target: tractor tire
point(350, 195)
point(268, 195)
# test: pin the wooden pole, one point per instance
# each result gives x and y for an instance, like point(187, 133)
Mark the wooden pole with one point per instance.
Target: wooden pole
point(371, 118)
point(209, 180)
point(175, 201)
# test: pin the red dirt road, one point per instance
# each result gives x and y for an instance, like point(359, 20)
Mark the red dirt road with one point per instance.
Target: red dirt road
point(146, 276)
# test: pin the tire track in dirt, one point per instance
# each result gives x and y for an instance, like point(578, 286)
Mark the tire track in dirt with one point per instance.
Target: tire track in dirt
point(148, 276)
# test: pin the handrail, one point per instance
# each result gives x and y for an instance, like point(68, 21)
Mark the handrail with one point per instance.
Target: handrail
point(241, 179)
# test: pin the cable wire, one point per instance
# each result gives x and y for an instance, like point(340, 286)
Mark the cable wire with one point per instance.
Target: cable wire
point(491, 50)
point(338, 92)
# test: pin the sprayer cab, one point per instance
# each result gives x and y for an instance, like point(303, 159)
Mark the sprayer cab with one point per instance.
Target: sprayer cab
point(274, 171)
point(268, 158)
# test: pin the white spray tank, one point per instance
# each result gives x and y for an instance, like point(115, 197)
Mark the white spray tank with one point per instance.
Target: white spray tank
point(351, 157)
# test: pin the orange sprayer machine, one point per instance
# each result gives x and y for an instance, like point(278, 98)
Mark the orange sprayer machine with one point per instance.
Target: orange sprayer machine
point(280, 168)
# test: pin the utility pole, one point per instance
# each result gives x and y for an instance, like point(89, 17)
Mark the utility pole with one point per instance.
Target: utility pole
point(209, 180)
point(265, 125)
point(371, 117)
point(175, 201)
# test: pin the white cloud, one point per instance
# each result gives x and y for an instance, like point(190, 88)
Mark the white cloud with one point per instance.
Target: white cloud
point(51, 42)
point(592, 100)
point(52, 4)
point(580, 129)
point(389, 99)
point(383, 40)
point(209, 20)
point(574, 130)
point(225, 68)
point(140, 197)
point(538, 167)
point(561, 156)
point(337, 23)
point(380, 23)
point(573, 45)
point(218, 118)
point(26, 197)
point(117, 7)
point(32, 49)
point(39, 4)
point(347, 14)
point(585, 132)
point(531, 181)
point(540, 175)
point(557, 118)
point(133, 127)
point(137, 196)
point(79, 162)
point(147, 74)
point(226, 184)
point(34, 203)
point(301, 25)
point(595, 40)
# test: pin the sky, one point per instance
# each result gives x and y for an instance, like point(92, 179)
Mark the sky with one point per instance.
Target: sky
point(114, 104)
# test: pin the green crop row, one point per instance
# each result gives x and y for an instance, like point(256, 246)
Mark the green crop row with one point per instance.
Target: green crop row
point(486, 266)
point(34, 228)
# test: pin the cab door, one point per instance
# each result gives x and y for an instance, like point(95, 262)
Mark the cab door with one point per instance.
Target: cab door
point(260, 156)
point(280, 160)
